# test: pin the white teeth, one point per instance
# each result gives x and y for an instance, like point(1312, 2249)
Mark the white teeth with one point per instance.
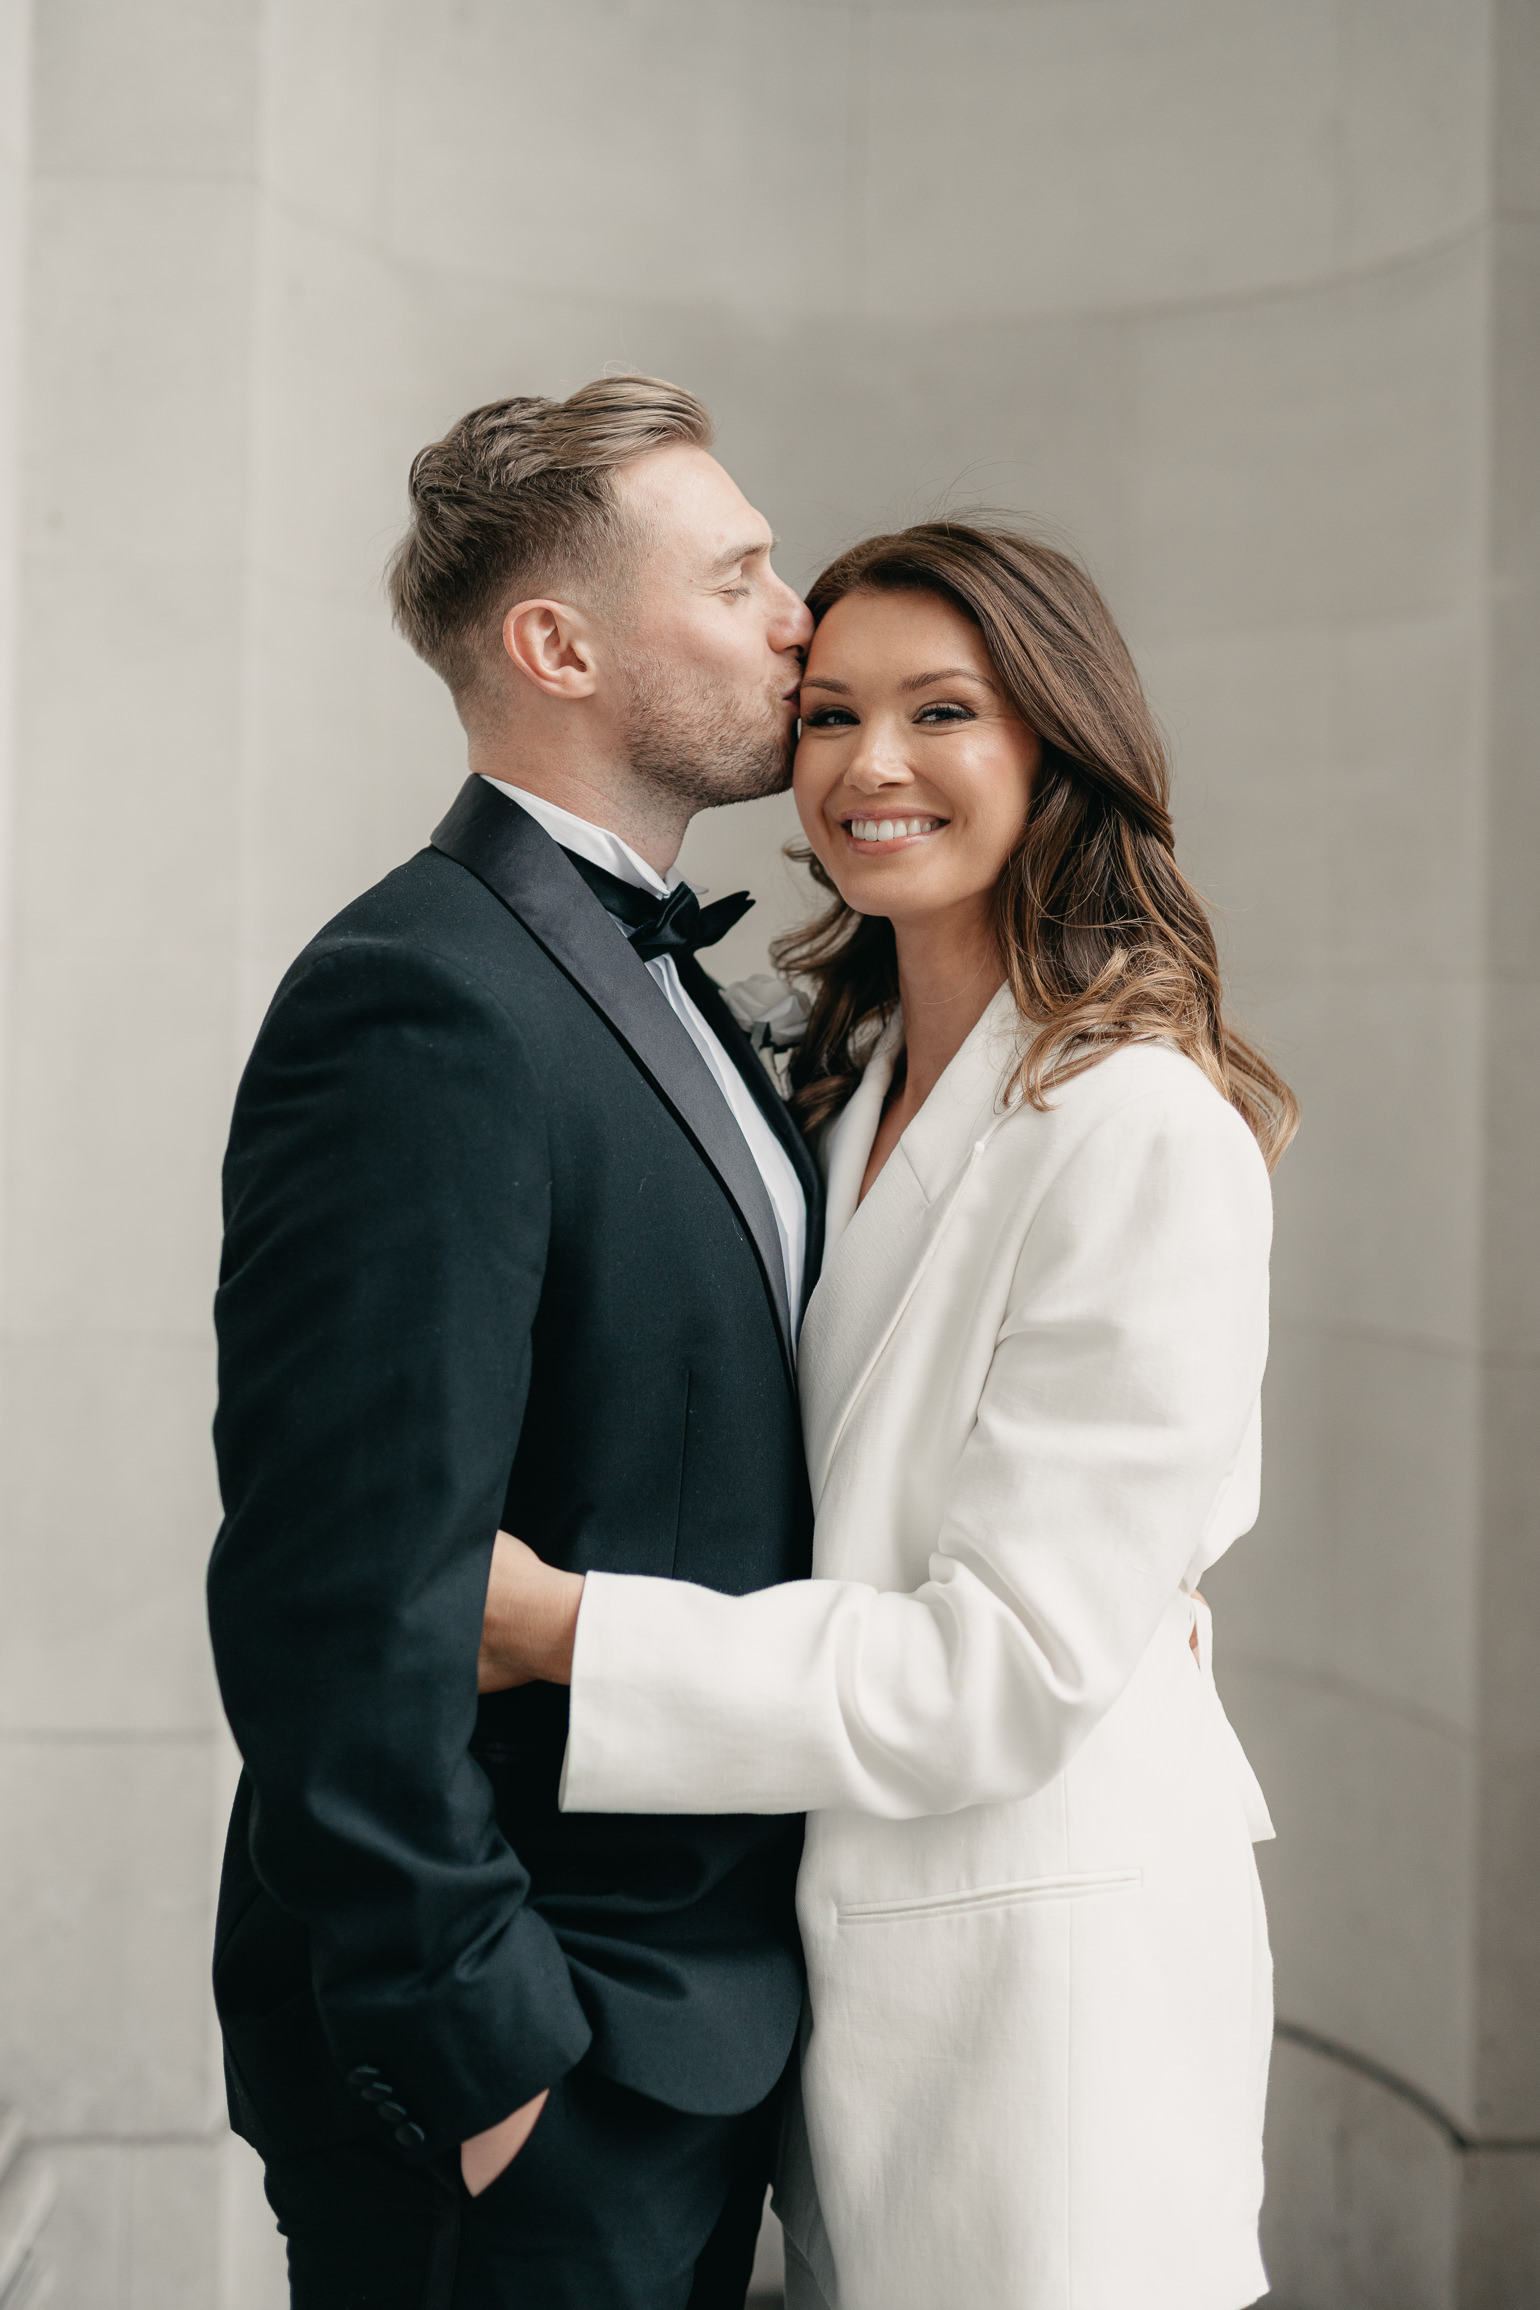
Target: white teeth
point(891, 829)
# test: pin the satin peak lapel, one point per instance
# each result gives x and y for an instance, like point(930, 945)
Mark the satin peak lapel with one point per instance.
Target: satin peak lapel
point(503, 847)
point(873, 1267)
point(709, 1000)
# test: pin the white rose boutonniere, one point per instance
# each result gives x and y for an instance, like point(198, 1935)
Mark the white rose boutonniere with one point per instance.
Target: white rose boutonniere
point(773, 1014)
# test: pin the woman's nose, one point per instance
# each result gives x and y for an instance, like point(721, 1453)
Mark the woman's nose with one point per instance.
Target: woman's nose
point(878, 762)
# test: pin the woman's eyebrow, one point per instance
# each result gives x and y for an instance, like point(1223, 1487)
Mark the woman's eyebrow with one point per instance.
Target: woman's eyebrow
point(946, 674)
point(825, 682)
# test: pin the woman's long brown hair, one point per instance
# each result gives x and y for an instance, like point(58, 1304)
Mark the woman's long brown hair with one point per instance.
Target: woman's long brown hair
point(1103, 938)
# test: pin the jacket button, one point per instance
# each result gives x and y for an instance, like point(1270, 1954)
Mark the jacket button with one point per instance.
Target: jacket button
point(362, 2076)
point(390, 2111)
point(410, 2137)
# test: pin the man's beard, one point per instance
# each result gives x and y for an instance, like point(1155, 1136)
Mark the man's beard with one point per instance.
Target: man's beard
point(706, 745)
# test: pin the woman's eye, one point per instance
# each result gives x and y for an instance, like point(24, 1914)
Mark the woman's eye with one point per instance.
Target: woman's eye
point(829, 718)
point(945, 713)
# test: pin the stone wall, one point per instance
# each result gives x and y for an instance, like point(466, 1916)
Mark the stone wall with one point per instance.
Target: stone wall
point(1241, 294)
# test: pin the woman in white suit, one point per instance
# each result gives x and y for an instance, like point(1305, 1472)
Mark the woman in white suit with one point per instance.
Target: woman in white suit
point(1039, 2004)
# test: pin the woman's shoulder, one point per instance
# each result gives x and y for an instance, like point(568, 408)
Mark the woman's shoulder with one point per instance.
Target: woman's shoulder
point(1138, 1154)
point(1139, 1097)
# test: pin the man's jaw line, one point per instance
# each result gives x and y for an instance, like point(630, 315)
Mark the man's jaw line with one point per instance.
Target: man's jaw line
point(570, 763)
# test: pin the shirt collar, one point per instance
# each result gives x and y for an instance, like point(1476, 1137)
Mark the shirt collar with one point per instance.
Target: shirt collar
point(595, 843)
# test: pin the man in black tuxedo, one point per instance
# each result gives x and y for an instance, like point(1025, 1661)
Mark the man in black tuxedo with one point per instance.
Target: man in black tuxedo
point(517, 1232)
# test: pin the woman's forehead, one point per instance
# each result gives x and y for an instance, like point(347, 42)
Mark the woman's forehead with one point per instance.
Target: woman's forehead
point(897, 636)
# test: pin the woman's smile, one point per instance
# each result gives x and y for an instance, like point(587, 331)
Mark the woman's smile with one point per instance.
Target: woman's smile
point(870, 833)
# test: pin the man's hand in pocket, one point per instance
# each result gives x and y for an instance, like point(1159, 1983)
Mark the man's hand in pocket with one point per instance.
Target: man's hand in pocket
point(487, 2155)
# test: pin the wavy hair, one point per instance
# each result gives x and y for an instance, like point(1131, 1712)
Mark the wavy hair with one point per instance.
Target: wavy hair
point(1103, 938)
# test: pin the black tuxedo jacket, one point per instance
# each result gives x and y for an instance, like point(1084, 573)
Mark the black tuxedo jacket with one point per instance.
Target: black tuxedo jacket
point(495, 1252)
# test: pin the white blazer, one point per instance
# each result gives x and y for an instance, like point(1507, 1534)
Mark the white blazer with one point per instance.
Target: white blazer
point(1039, 1983)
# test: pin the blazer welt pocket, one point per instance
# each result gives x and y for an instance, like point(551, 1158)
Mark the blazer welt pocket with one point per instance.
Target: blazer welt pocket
point(981, 1897)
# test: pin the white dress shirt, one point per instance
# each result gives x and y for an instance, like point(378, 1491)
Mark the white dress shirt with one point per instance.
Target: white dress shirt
point(775, 1167)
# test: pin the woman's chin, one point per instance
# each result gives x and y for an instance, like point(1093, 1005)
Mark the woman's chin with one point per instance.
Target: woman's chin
point(892, 882)
point(863, 893)
point(888, 887)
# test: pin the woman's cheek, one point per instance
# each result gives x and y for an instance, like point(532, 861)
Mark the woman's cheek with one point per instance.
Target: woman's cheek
point(809, 798)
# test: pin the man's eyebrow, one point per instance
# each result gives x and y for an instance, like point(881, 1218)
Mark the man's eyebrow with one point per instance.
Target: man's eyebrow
point(946, 674)
point(738, 553)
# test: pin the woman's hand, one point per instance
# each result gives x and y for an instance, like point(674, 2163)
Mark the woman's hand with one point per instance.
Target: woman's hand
point(530, 1621)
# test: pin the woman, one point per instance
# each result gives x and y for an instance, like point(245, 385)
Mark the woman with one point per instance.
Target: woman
point(1039, 1986)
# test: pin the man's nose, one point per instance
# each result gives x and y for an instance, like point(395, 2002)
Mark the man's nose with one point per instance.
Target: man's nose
point(792, 626)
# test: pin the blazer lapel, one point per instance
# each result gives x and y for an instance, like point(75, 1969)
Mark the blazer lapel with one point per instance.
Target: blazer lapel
point(707, 997)
point(519, 863)
point(875, 1263)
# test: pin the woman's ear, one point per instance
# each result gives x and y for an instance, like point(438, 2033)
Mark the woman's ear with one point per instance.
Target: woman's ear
point(552, 645)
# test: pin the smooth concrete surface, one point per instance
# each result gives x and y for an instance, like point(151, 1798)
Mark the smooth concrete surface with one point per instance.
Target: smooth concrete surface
point(1500, 2230)
point(1363, 2193)
point(1373, 2203)
point(1243, 296)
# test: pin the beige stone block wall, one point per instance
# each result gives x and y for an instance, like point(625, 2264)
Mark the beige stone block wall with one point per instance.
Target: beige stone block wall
point(1242, 295)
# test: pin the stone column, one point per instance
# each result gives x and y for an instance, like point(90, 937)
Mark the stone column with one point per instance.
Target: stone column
point(1386, 1616)
point(1500, 2227)
point(132, 611)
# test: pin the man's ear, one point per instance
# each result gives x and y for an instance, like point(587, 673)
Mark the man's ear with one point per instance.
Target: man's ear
point(553, 645)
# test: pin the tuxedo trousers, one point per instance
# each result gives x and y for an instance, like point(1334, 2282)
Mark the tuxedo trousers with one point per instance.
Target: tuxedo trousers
point(614, 2203)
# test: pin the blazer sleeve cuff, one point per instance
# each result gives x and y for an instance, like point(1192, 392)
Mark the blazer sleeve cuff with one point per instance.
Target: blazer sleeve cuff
point(687, 1701)
point(466, 2054)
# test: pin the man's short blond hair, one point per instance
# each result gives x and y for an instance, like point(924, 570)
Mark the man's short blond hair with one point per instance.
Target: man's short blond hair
point(518, 500)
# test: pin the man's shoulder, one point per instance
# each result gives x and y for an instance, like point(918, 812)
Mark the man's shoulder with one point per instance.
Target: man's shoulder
point(427, 962)
point(428, 905)
point(428, 920)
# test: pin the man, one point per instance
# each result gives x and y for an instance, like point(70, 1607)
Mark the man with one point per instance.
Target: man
point(517, 1232)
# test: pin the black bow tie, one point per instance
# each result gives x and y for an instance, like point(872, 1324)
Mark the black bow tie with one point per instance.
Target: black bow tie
point(675, 925)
